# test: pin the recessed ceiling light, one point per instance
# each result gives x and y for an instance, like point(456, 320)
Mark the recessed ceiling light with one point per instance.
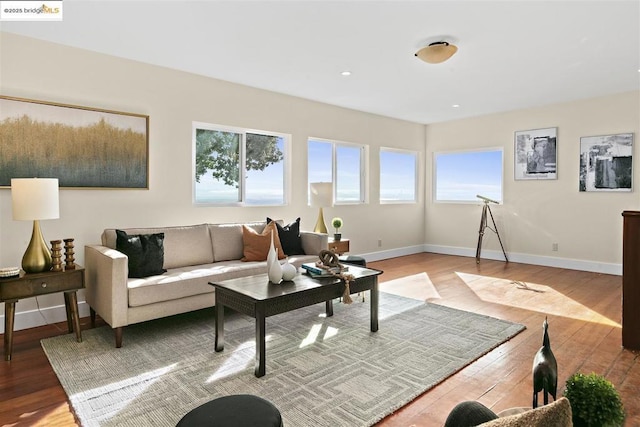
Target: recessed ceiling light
point(456, 105)
point(346, 73)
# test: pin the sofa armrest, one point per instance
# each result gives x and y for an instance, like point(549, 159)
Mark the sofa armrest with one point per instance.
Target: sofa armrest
point(313, 243)
point(106, 291)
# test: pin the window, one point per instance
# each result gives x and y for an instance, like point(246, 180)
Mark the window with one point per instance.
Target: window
point(239, 167)
point(341, 163)
point(398, 176)
point(461, 176)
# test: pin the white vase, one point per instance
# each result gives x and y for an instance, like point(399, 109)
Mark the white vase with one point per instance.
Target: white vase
point(288, 271)
point(272, 255)
point(275, 272)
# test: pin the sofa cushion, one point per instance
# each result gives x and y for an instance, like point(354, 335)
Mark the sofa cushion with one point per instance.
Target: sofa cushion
point(256, 245)
point(226, 239)
point(290, 237)
point(183, 245)
point(145, 252)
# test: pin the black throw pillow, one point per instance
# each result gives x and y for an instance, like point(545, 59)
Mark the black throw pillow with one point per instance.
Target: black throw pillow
point(290, 237)
point(145, 252)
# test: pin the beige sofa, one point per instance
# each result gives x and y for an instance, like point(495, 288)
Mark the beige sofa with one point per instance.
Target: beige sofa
point(193, 256)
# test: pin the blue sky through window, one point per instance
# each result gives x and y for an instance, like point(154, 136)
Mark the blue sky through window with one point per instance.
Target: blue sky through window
point(460, 176)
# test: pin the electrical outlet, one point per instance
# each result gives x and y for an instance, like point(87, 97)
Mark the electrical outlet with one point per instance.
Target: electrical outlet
point(379, 243)
point(554, 247)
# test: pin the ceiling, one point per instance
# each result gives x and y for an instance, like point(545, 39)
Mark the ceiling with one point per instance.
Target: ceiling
point(512, 54)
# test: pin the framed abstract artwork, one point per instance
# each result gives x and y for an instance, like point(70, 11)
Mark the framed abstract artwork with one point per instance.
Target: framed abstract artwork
point(535, 154)
point(83, 147)
point(606, 162)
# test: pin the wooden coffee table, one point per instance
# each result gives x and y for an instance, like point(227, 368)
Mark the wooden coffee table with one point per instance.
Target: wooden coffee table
point(256, 297)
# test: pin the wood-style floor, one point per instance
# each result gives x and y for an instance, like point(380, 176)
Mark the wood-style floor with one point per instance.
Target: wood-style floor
point(584, 326)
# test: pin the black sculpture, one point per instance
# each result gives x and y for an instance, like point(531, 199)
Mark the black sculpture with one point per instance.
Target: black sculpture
point(545, 370)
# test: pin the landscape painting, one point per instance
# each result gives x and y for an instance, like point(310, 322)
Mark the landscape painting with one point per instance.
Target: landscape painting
point(82, 147)
point(606, 162)
point(535, 154)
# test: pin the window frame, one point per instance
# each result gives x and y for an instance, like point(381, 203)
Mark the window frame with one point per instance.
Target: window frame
point(475, 200)
point(416, 175)
point(242, 202)
point(363, 149)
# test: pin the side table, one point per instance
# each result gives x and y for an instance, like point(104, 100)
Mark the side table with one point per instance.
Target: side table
point(338, 246)
point(25, 285)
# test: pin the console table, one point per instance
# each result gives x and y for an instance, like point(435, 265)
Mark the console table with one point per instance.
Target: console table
point(25, 285)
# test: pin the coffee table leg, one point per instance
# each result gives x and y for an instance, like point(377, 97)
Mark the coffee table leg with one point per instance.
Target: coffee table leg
point(219, 327)
point(374, 305)
point(329, 308)
point(261, 349)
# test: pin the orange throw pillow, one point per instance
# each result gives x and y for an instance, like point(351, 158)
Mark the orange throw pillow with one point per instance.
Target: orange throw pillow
point(256, 246)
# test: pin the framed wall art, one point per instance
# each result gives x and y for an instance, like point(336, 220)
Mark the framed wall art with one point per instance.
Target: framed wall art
point(83, 147)
point(606, 162)
point(535, 154)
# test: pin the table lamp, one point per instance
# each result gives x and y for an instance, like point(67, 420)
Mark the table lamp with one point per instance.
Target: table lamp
point(34, 199)
point(321, 196)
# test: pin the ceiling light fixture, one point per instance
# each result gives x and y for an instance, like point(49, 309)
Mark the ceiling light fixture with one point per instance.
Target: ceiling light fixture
point(437, 52)
point(346, 73)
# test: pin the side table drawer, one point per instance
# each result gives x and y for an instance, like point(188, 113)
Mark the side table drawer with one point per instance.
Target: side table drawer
point(42, 285)
point(339, 246)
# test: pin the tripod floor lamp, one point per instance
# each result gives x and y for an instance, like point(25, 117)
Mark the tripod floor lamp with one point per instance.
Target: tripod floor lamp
point(35, 199)
point(321, 197)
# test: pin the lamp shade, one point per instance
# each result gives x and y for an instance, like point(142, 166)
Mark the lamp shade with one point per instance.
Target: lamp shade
point(35, 198)
point(321, 194)
point(437, 52)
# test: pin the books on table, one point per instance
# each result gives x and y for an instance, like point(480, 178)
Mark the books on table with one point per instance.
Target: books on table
point(316, 271)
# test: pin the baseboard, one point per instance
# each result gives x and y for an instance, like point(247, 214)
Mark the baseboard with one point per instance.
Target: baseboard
point(392, 253)
point(571, 264)
point(43, 316)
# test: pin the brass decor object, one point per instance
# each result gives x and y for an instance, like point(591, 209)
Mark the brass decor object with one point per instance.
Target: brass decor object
point(34, 199)
point(68, 254)
point(56, 255)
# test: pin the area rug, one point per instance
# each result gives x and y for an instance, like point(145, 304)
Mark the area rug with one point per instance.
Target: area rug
point(320, 371)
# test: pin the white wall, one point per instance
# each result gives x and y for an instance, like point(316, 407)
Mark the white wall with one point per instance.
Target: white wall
point(39, 70)
point(586, 225)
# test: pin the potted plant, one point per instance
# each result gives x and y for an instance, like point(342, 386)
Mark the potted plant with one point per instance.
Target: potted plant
point(594, 401)
point(337, 223)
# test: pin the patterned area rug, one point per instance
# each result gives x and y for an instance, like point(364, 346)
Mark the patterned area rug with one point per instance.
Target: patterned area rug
point(320, 371)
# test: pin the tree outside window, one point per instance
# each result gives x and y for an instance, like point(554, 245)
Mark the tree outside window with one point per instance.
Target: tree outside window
point(235, 166)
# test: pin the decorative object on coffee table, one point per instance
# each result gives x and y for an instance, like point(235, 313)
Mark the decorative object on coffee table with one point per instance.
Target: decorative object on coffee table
point(56, 255)
point(545, 369)
point(275, 272)
point(337, 223)
point(69, 254)
point(272, 255)
point(289, 271)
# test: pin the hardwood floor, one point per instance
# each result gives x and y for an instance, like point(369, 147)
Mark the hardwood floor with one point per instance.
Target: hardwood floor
point(584, 326)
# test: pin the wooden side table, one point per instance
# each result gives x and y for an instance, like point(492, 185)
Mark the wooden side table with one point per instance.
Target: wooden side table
point(25, 285)
point(339, 246)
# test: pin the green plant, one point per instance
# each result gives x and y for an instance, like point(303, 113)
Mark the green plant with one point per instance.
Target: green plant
point(336, 223)
point(594, 401)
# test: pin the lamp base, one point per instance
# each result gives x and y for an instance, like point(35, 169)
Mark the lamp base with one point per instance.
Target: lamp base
point(37, 257)
point(320, 227)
